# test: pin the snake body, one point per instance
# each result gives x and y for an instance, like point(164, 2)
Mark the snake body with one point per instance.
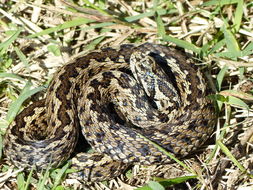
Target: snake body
point(123, 100)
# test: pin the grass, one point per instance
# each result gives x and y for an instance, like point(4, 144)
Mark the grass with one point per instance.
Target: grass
point(36, 38)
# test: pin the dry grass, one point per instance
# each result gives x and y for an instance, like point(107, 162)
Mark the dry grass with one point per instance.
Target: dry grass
point(37, 37)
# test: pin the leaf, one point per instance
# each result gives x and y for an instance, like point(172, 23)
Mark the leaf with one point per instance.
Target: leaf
point(220, 77)
point(236, 101)
point(54, 49)
point(144, 188)
point(21, 180)
point(231, 43)
point(238, 94)
point(219, 99)
point(59, 188)
point(164, 183)
point(155, 185)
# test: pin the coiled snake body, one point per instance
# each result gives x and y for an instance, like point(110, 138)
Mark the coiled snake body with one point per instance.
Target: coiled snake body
point(117, 97)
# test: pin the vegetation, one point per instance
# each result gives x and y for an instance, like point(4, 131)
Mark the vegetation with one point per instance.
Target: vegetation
point(38, 36)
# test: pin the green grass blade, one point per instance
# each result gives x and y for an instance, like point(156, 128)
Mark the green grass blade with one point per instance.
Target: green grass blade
point(231, 42)
point(230, 156)
point(160, 26)
point(21, 180)
point(95, 7)
point(29, 179)
point(94, 43)
point(22, 57)
point(68, 24)
point(5, 45)
point(169, 154)
point(1, 146)
point(165, 182)
point(238, 102)
point(219, 2)
point(155, 185)
point(229, 55)
point(148, 14)
point(59, 175)
point(238, 15)
point(182, 44)
point(100, 25)
point(239, 94)
point(55, 49)
point(12, 76)
point(217, 46)
point(176, 180)
point(220, 77)
point(139, 16)
point(25, 94)
point(248, 50)
point(41, 184)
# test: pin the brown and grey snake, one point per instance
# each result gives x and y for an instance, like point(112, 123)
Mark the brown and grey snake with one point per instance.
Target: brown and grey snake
point(116, 97)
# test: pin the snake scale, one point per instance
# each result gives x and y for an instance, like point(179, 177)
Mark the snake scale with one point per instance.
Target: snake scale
point(123, 100)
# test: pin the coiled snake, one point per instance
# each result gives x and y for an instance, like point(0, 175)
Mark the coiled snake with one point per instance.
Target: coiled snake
point(117, 97)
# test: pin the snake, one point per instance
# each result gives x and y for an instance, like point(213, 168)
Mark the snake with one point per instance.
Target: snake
point(126, 101)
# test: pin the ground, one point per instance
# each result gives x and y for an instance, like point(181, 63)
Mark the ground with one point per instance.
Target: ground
point(39, 36)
